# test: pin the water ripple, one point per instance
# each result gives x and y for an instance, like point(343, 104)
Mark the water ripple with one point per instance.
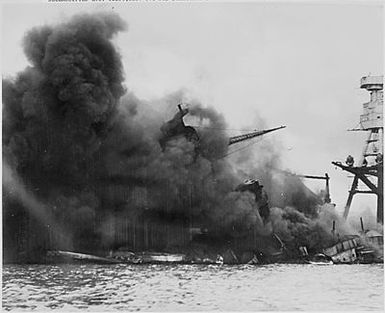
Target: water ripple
point(192, 287)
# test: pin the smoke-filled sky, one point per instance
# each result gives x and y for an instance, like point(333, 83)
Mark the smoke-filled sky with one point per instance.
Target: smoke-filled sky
point(291, 64)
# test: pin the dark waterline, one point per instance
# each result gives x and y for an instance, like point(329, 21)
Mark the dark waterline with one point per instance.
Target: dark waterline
point(276, 287)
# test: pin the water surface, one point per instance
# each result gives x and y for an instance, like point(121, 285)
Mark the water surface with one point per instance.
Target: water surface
point(277, 287)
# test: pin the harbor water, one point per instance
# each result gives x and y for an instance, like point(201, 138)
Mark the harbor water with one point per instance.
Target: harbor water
point(276, 287)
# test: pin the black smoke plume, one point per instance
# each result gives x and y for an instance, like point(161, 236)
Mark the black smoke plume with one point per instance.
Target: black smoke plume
point(91, 152)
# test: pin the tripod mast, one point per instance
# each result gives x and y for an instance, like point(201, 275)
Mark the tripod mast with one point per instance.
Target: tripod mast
point(371, 162)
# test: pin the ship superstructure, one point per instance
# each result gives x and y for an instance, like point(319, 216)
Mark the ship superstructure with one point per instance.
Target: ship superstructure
point(369, 169)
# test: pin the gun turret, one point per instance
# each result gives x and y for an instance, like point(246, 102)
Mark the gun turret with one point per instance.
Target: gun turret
point(235, 139)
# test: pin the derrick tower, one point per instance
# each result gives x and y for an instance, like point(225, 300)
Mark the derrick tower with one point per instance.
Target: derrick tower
point(369, 169)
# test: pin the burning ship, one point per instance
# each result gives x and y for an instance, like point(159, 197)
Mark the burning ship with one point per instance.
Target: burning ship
point(154, 230)
point(90, 168)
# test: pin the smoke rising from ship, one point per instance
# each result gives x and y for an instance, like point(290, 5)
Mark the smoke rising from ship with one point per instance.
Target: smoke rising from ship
point(91, 152)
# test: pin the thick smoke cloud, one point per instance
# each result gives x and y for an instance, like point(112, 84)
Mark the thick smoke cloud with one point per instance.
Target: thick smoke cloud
point(57, 112)
point(92, 152)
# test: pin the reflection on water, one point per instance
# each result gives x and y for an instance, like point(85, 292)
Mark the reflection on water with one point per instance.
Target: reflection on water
point(193, 287)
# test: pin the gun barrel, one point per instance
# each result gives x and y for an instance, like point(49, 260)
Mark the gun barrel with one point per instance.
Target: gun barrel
point(247, 136)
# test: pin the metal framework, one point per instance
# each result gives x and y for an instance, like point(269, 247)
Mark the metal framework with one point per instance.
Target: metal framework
point(371, 163)
point(362, 173)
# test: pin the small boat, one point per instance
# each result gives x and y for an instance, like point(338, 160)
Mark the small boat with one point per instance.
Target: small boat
point(209, 261)
point(158, 257)
point(219, 260)
point(69, 256)
point(320, 259)
point(126, 256)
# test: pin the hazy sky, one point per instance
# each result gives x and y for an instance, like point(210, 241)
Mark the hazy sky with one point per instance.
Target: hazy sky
point(295, 64)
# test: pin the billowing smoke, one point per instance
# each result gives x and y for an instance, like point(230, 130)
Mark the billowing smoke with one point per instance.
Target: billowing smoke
point(93, 154)
point(58, 112)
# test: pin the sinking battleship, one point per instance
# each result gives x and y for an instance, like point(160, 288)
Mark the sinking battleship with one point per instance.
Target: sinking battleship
point(203, 244)
point(167, 236)
point(194, 238)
